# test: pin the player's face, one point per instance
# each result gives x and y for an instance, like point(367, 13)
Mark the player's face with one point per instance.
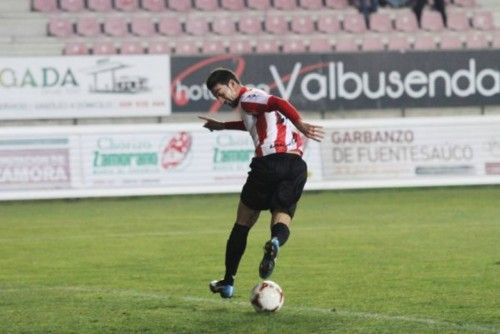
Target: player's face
point(227, 94)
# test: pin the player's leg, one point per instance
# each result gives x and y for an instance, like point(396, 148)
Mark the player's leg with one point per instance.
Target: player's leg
point(235, 247)
point(237, 241)
point(293, 174)
point(280, 222)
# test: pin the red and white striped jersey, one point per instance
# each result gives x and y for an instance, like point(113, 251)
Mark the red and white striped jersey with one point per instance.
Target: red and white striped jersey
point(268, 120)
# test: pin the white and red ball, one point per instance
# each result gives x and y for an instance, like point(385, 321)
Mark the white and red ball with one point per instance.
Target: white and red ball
point(267, 296)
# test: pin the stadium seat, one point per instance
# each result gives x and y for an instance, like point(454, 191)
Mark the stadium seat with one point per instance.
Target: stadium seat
point(266, 45)
point(209, 5)
point(88, 26)
point(233, 4)
point(153, 5)
point(320, 45)
point(464, 3)
point(450, 41)
point(104, 48)
point(346, 44)
point(224, 26)
point(71, 5)
point(405, 20)
point(302, 24)
point(142, 26)
point(180, 5)
point(169, 26)
point(75, 48)
point(45, 6)
point(337, 4)
point(476, 40)
point(372, 42)
point(311, 4)
point(212, 47)
point(158, 47)
point(328, 24)
point(116, 26)
point(131, 48)
point(285, 4)
point(483, 21)
point(398, 42)
point(424, 42)
point(127, 5)
point(380, 22)
point(100, 5)
point(431, 20)
point(240, 46)
point(250, 25)
point(276, 24)
point(259, 4)
point(458, 21)
point(186, 47)
point(294, 45)
point(197, 25)
point(60, 27)
point(354, 23)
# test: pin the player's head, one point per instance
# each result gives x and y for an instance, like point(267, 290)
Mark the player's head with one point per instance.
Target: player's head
point(224, 85)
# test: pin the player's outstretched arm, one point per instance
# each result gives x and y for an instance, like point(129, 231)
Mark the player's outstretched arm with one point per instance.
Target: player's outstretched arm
point(212, 124)
point(311, 131)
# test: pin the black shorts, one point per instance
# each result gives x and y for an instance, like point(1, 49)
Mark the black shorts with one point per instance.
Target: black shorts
point(275, 182)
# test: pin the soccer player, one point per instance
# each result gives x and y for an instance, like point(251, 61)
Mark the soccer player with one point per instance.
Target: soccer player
point(277, 172)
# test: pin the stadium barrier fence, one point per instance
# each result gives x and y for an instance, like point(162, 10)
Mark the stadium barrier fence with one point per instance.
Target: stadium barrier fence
point(161, 159)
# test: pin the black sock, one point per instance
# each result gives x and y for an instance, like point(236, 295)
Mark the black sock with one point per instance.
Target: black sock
point(235, 248)
point(281, 232)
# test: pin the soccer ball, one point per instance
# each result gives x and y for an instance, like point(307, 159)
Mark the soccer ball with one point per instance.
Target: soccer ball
point(267, 296)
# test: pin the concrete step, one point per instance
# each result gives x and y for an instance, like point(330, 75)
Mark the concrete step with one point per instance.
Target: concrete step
point(30, 49)
point(23, 26)
point(496, 18)
point(489, 3)
point(15, 6)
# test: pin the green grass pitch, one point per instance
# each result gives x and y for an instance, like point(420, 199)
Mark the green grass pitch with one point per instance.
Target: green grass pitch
point(364, 261)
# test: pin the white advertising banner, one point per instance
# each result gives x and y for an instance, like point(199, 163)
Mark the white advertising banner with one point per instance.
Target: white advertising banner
point(84, 86)
point(35, 163)
point(128, 160)
point(412, 152)
point(169, 156)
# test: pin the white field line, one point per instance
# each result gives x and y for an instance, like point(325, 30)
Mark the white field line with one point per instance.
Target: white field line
point(181, 233)
point(223, 232)
point(297, 309)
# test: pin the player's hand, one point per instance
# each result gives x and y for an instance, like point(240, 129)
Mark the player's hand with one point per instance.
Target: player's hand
point(311, 131)
point(212, 124)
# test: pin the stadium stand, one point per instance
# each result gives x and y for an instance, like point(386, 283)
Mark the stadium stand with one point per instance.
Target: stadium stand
point(432, 21)
point(398, 42)
point(450, 41)
point(405, 21)
point(458, 20)
point(259, 4)
point(193, 27)
point(100, 5)
point(88, 26)
point(153, 5)
point(381, 22)
point(74, 26)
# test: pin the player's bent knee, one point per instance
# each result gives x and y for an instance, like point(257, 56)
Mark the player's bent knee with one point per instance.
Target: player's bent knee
point(281, 217)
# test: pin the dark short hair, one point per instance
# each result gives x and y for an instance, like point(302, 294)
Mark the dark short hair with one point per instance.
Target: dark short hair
point(220, 76)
